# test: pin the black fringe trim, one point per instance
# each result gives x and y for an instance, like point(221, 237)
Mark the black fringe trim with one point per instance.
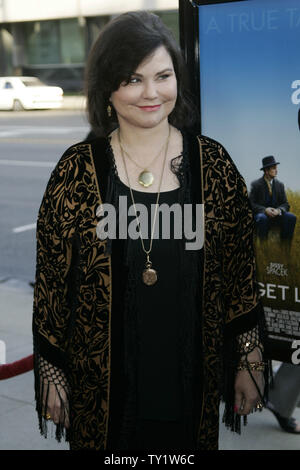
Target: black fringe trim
point(231, 358)
point(43, 349)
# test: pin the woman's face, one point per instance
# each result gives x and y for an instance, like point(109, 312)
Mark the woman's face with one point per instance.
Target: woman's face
point(150, 96)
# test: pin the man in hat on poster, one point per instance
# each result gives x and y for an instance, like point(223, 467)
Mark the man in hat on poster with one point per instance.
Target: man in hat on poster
point(269, 202)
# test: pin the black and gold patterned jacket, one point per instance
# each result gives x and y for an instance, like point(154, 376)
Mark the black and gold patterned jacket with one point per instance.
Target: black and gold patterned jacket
point(79, 285)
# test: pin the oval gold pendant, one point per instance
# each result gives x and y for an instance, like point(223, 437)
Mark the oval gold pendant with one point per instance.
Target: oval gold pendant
point(149, 276)
point(146, 178)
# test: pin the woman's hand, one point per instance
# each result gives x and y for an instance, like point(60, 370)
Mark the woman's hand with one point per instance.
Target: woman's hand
point(56, 408)
point(247, 396)
point(246, 393)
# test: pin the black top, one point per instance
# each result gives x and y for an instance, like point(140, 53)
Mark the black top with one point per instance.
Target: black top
point(158, 309)
point(166, 315)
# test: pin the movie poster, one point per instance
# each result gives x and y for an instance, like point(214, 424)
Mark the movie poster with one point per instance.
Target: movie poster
point(250, 102)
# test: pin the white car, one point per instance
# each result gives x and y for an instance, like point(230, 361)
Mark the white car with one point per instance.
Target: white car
point(19, 93)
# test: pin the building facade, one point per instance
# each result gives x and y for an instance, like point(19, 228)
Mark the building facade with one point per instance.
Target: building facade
point(51, 40)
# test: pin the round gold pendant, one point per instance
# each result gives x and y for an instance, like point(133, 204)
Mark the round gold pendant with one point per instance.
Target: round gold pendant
point(146, 178)
point(149, 276)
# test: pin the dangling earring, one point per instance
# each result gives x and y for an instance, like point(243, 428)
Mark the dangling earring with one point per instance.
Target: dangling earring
point(108, 109)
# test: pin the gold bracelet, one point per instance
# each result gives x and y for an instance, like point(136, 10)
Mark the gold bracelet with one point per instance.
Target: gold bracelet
point(258, 365)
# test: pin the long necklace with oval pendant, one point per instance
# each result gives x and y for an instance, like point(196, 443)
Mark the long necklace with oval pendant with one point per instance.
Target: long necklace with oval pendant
point(149, 274)
point(146, 178)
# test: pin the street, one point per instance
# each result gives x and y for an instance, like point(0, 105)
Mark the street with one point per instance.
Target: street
point(30, 145)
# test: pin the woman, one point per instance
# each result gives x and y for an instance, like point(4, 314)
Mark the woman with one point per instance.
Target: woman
point(138, 335)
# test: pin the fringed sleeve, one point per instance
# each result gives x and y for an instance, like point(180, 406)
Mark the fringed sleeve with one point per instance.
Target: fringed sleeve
point(51, 312)
point(244, 322)
point(236, 349)
point(51, 393)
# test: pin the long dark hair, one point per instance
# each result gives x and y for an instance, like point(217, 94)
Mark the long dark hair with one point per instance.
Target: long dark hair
point(121, 47)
